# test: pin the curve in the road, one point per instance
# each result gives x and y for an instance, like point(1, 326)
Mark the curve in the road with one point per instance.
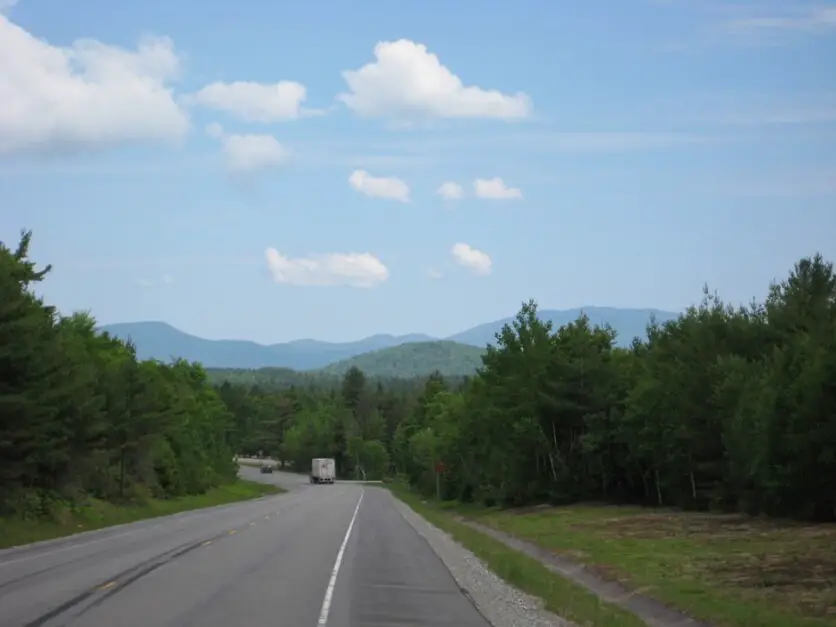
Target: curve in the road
point(326, 556)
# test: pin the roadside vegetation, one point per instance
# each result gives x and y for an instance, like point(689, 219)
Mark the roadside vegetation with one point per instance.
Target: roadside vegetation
point(727, 569)
point(560, 595)
point(86, 427)
point(716, 429)
point(698, 444)
point(95, 513)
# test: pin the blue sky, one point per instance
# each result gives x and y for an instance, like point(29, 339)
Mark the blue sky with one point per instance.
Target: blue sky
point(158, 150)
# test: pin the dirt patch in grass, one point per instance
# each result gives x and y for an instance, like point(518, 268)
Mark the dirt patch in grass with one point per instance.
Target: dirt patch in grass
point(730, 570)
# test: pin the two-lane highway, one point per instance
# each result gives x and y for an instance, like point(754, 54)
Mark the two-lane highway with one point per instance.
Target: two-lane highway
point(326, 556)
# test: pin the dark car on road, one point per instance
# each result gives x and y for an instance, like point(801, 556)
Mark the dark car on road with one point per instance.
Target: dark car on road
point(266, 468)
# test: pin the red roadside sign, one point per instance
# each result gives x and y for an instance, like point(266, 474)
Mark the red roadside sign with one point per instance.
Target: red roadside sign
point(439, 467)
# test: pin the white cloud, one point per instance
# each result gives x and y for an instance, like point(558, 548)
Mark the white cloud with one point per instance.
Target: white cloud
point(249, 153)
point(434, 274)
point(407, 82)
point(495, 189)
point(472, 259)
point(254, 102)
point(246, 153)
point(215, 130)
point(450, 191)
point(379, 187)
point(352, 269)
point(87, 95)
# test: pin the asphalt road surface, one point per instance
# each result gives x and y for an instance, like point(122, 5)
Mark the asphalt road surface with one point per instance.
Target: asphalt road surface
point(320, 555)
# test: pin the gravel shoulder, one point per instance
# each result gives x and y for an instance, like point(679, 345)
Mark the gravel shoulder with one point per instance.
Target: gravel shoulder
point(501, 604)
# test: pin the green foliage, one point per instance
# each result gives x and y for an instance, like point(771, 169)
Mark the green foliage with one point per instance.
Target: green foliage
point(416, 359)
point(81, 417)
point(722, 408)
point(71, 518)
point(272, 377)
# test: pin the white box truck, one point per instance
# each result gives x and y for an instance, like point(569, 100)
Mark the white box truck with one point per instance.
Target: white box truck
point(322, 470)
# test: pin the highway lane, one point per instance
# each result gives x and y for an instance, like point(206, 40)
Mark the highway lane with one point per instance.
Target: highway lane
point(287, 560)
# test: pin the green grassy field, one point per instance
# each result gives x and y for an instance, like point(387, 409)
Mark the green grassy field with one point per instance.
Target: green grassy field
point(98, 514)
point(731, 571)
point(559, 595)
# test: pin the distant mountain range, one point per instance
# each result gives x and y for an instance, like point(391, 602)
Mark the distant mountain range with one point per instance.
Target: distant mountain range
point(158, 340)
point(414, 359)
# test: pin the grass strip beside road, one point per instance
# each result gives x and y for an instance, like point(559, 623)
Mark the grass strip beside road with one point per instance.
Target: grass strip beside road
point(560, 595)
point(97, 514)
point(727, 570)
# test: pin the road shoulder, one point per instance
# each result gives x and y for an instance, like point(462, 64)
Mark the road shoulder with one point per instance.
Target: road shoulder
point(500, 603)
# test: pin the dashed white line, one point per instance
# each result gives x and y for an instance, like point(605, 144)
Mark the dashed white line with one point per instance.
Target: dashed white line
point(329, 591)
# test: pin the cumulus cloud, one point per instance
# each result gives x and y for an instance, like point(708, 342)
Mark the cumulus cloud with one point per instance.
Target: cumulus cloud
point(254, 102)
point(406, 81)
point(471, 258)
point(450, 191)
point(379, 187)
point(89, 94)
point(352, 269)
point(249, 153)
point(495, 189)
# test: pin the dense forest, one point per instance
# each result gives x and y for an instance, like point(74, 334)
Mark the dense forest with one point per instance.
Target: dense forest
point(414, 359)
point(80, 416)
point(724, 408)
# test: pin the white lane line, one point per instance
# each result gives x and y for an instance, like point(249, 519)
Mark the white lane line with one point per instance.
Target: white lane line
point(329, 591)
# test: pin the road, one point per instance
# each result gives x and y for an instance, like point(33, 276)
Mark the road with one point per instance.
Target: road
point(320, 555)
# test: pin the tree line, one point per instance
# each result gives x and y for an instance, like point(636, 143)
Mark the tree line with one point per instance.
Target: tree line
point(729, 408)
point(726, 408)
point(80, 416)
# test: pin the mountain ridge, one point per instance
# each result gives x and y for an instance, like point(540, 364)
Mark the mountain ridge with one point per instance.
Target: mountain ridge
point(160, 340)
point(413, 359)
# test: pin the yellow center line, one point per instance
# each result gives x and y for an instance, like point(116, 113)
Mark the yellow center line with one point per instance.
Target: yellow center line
point(109, 584)
point(208, 542)
point(233, 531)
